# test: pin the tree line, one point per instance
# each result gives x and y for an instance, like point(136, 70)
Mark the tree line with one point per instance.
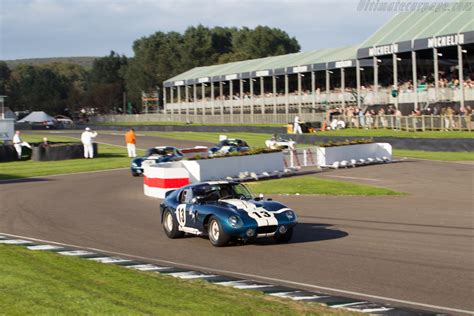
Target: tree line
point(65, 88)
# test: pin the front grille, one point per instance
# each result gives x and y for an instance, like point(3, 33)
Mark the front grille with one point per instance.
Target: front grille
point(266, 229)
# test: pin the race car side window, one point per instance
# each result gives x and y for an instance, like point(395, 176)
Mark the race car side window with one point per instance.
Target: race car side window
point(186, 196)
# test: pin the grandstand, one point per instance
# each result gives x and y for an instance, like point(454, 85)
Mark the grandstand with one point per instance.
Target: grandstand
point(417, 59)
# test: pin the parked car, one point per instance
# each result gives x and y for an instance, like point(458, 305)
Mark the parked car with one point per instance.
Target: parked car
point(229, 145)
point(224, 211)
point(155, 155)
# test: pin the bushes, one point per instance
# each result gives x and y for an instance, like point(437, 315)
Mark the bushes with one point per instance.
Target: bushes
point(253, 151)
point(356, 141)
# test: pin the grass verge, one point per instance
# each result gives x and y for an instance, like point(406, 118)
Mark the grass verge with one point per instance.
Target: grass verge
point(316, 186)
point(42, 283)
point(110, 157)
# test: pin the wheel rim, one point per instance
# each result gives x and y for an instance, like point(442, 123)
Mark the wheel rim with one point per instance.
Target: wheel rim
point(214, 231)
point(168, 222)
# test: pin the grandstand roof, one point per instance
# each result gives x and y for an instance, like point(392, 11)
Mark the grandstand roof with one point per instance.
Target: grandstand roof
point(270, 63)
point(414, 25)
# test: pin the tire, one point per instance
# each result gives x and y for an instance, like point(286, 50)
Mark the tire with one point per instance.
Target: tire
point(170, 225)
point(217, 236)
point(135, 174)
point(286, 237)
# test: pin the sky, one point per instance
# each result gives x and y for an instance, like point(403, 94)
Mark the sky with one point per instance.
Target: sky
point(65, 28)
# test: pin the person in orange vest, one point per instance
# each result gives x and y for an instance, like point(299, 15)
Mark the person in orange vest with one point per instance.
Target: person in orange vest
point(131, 140)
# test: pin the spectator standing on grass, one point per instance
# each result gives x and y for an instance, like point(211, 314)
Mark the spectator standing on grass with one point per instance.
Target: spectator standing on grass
point(130, 140)
point(86, 139)
point(297, 126)
point(18, 143)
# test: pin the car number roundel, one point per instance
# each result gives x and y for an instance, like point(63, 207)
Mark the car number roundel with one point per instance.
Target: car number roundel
point(181, 214)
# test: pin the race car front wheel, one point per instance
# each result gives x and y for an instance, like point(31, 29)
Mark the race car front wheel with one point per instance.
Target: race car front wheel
point(286, 237)
point(217, 236)
point(170, 225)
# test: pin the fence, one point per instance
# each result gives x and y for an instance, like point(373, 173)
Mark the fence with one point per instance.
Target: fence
point(211, 119)
point(300, 157)
point(409, 123)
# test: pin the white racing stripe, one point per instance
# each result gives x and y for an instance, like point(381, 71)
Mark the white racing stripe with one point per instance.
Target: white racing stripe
point(259, 214)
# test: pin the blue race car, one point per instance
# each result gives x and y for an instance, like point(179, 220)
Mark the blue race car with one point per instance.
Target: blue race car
point(229, 145)
point(155, 155)
point(224, 211)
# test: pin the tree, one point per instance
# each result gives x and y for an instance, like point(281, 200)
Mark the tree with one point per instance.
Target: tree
point(4, 77)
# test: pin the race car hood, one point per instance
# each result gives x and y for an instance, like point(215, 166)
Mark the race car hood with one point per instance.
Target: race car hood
point(256, 210)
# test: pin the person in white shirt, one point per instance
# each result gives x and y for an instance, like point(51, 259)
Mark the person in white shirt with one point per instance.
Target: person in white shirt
point(86, 139)
point(18, 143)
point(297, 126)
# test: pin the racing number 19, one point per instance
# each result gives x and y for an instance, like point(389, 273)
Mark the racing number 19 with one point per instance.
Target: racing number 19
point(264, 213)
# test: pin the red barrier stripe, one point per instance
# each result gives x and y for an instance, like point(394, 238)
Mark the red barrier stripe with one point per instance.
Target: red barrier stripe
point(166, 183)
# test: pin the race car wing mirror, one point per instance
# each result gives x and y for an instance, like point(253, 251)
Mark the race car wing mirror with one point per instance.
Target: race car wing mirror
point(261, 196)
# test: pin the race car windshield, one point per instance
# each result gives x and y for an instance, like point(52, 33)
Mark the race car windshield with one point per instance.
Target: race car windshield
point(160, 151)
point(215, 192)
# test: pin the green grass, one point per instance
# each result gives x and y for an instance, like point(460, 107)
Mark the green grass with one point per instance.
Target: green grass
point(435, 155)
point(183, 123)
point(391, 133)
point(316, 186)
point(110, 157)
point(43, 283)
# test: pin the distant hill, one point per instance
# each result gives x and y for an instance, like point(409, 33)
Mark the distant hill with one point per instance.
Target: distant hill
point(85, 62)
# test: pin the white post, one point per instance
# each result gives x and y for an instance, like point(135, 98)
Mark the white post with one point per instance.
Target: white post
point(415, 80)
point(212, 98)
point(395, 77)
point(299, 93)
point(241, 100)
point(287, 97)
point(461, 75)
point(274, 95)
point(313, 88)
point(231, 97)
point(262, 95)
point(358, 83)
point(172, 102)
point(195, 99)
point(343, 87)
point(186, 95)
point(179, 102)
point(436, 73)
point(165, 104)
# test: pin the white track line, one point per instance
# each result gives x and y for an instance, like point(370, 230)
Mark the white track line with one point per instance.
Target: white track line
point(258, 277)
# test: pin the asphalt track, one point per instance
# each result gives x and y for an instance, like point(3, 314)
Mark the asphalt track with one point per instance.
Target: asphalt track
point(416, 248)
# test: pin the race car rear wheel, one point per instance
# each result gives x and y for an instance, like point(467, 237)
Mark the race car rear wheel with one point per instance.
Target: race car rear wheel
point(217, 236)
point(170, 225)
point(286, 237)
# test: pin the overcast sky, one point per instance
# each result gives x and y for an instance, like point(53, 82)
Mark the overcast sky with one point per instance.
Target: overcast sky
point(62, 28)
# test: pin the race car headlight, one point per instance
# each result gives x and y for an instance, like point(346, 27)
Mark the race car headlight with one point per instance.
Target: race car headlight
point(235, 221)
point(290, 215)
point(134, 164)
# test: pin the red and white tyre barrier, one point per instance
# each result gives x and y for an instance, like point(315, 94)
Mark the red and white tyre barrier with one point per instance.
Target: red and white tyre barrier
point(158, 180)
